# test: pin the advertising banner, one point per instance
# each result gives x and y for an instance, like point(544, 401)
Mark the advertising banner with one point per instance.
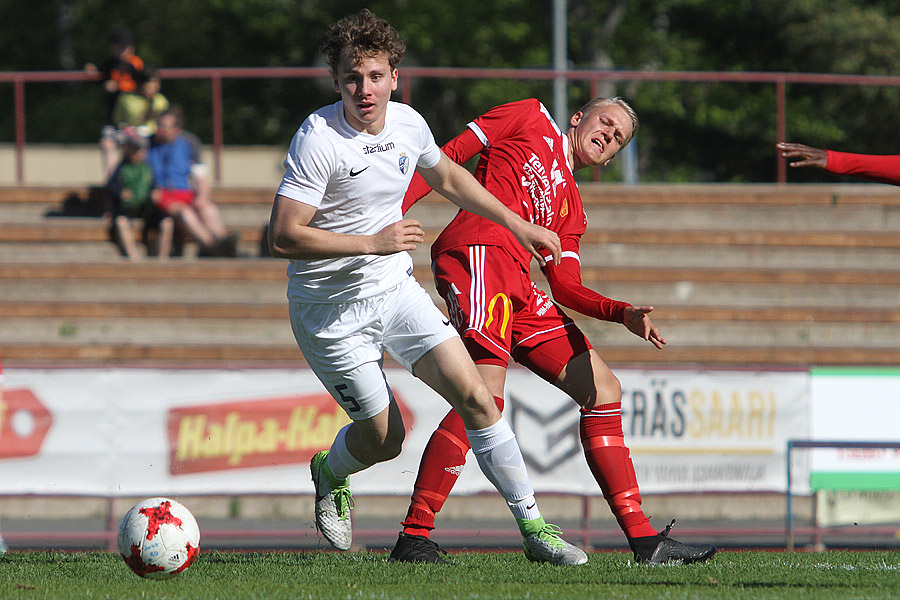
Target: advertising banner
point(688, 431)
point(855, 405)
point(133, 432)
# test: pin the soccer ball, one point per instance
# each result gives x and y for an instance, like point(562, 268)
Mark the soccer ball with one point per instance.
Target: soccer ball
point(159, 538)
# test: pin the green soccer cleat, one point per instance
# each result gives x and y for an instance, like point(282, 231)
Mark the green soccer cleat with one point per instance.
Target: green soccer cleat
point(546, 545)
point(333, 503)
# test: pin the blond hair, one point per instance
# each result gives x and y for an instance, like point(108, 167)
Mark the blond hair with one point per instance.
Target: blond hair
point(596, 103)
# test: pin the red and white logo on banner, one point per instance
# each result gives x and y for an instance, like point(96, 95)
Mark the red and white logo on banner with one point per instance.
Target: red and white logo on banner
point(24, 423)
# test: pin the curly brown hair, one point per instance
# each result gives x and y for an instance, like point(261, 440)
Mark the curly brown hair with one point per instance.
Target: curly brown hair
point(362, 35)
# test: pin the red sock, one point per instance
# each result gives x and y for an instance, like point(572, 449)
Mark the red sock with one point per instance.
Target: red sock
point(441, 464)
point(610, 462)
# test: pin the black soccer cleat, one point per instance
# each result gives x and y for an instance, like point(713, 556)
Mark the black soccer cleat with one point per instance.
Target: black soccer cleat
point(661, 549)
point(417, 549)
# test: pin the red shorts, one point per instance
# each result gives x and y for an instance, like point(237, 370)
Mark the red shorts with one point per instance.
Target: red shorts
point(168, 198)
point(500, 312)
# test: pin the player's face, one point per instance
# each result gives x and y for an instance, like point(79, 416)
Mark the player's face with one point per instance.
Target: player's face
point(365, 87)
point(598, 135)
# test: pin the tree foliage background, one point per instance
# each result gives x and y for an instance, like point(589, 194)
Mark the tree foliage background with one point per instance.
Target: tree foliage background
point(689, 131)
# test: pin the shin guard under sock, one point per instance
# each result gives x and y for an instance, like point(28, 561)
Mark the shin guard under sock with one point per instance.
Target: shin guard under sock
point(440, 467)
point(610, 461)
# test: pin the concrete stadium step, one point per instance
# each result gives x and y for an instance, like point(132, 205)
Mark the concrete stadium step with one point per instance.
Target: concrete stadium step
point(719, 194)
point(593, 194)
point(661, 216)
point(173, 356)
point(248, 330)
point(726, 294)
point(234, 215)
point(248, 279)
point(273, 270)
point(854, 255)
point(787, 218)
point(729, 193)
point(101, 251)
point(625, 254)
point(112, 309)
point(150, 290)
point(55, 195)
point(741, 276)
point(200, 355)
point(181, 270)
point(661, 295)
point(638, 248)
point(46, 239)
point(128, 330)
point(746, 334)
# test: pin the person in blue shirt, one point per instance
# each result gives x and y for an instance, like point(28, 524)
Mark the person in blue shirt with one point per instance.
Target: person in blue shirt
point(182, 181)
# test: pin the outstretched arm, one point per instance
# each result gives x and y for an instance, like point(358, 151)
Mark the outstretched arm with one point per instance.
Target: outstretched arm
point(875, 167)
point(568, 290)
point(460, 187)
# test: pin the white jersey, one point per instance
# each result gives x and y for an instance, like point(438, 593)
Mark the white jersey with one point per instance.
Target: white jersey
point(357, 182)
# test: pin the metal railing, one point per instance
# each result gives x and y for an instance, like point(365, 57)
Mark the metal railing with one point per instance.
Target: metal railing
point(408, 74)
point(809, 444)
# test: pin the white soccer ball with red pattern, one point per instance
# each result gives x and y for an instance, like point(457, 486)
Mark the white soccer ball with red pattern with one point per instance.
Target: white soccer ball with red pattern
point(159, 538)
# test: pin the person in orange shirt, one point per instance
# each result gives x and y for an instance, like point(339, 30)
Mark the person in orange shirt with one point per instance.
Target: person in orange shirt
point(119, 71)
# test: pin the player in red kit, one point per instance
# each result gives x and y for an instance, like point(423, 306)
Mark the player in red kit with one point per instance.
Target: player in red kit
point(484, 278)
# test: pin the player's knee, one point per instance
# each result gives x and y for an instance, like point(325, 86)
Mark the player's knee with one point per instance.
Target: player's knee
point(608, 390)
point(478, 409)
point(392, 445)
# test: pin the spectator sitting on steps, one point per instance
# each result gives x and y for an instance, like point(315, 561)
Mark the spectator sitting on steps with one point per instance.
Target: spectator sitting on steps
point(130, 190)
point(183, 186)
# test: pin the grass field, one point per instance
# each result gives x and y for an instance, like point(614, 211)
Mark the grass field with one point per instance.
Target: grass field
point(823, 576)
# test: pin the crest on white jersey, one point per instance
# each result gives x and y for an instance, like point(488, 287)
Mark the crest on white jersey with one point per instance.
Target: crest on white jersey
point(404, 163)
point(549, 141)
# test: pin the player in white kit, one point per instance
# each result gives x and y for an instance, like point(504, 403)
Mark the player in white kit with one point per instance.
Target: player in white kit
point(337, 217)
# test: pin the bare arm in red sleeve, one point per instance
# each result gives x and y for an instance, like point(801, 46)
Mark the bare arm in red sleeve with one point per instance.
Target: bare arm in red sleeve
point(567, 289)
point(875, 167)
point(460, 149)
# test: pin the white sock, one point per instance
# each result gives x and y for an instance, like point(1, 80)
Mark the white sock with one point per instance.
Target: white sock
point(501, 461)
point(341, 463)
point(525, 509)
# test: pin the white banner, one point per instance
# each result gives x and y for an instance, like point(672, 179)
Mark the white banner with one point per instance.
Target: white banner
point(688, 431)
point(856, 405)
point(142, 432)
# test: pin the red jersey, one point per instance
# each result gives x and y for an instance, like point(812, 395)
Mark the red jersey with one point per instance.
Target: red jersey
point(524, 163)
point(885, 169)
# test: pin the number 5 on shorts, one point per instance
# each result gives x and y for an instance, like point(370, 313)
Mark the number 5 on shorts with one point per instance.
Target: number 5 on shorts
point(350, 401)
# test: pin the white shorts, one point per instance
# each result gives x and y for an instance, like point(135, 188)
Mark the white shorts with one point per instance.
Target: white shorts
point(344, 343)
